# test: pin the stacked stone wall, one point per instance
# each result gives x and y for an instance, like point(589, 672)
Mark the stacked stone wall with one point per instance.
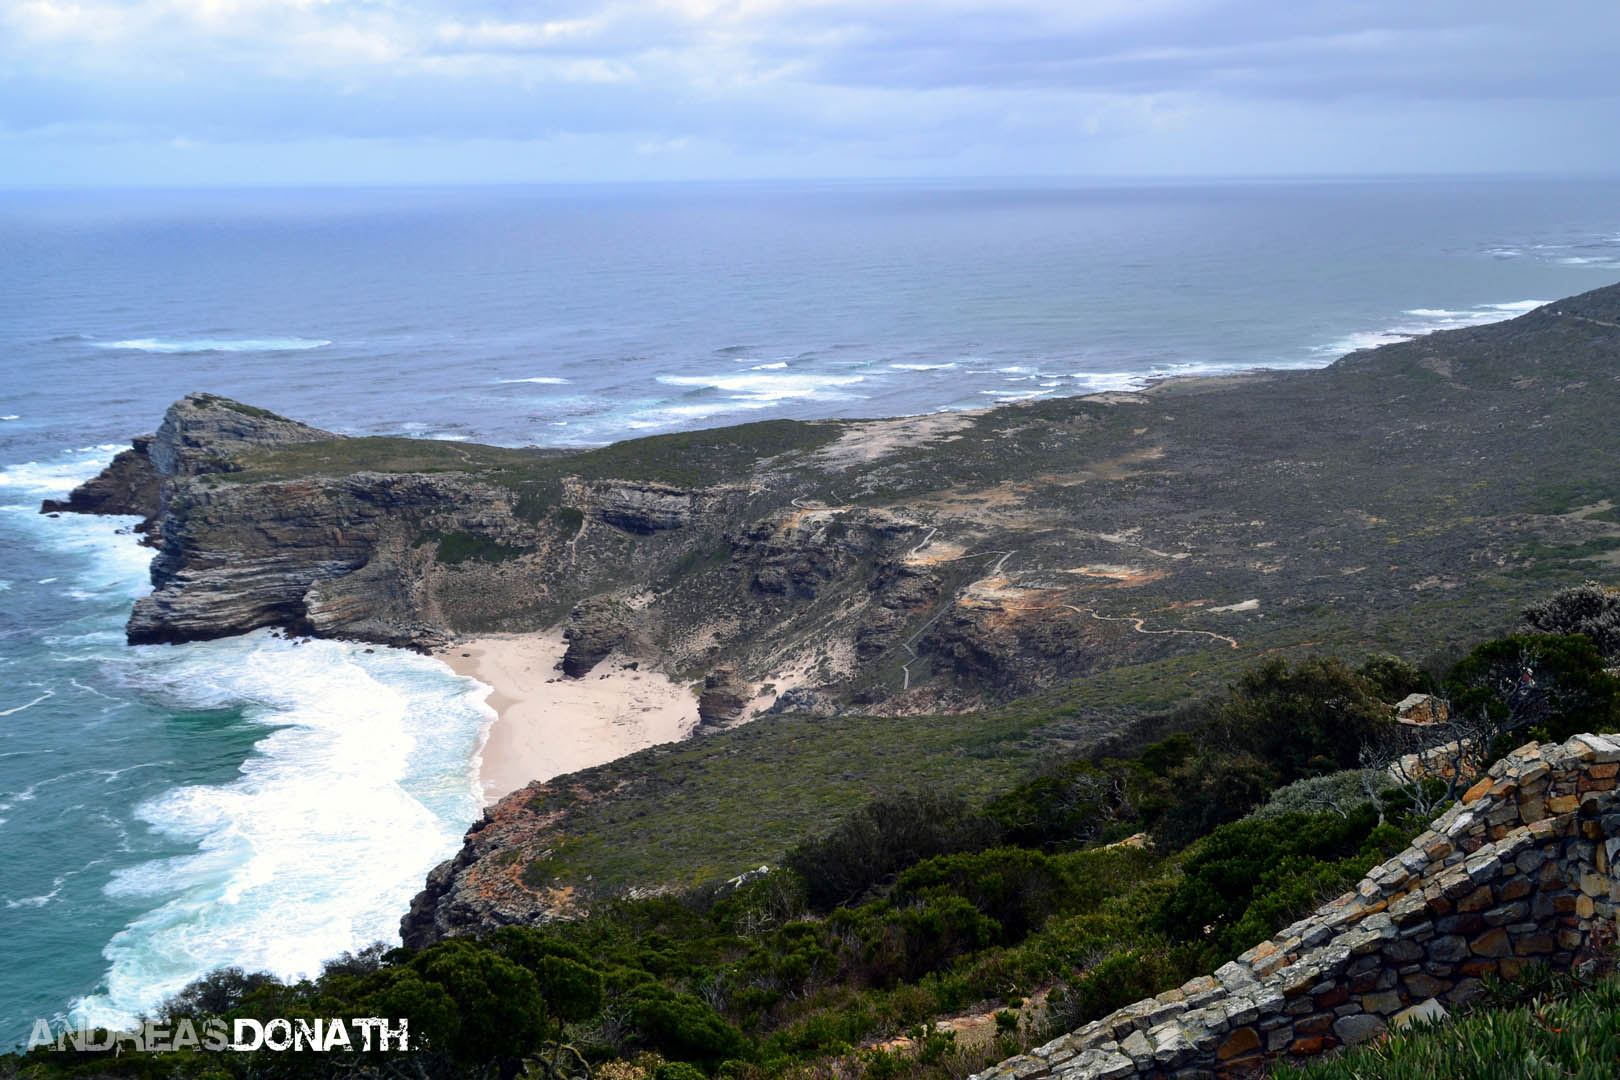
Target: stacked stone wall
point(1520, 870)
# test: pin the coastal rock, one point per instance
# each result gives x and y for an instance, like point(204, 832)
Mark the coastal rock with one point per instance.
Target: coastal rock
point(644, 508)
point(596, 627)
point(129, 485)
point(725, 698)
point(206, 433)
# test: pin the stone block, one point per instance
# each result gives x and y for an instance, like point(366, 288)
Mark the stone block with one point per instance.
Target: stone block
point(1137, 1047)
point(1337, 996)
point(1309, 1046)
point(1492, 943)
point(1592, 748)
point(1506, 913)
point(1384, 1002)
point(1478, 900)
point(1358, 1028)
point(1241, 1043)
point(1449, 949)
point(1534, 945)
point(1172, 1044)
point(1516, 889)
point(1423, 985)
point(1428, 1011)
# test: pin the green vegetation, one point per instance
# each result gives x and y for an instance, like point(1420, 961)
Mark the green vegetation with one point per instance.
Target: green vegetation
point(214, 401)
point(684, 459)
point(912, 906)
point(1539, 1028)
point(458, 547)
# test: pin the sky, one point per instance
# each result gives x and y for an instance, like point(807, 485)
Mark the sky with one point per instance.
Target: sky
point(180, 92)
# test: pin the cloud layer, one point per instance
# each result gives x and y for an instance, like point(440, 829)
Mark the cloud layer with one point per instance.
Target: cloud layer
point(96, 91)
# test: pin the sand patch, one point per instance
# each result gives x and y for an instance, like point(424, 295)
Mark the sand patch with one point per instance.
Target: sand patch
point(547, 725)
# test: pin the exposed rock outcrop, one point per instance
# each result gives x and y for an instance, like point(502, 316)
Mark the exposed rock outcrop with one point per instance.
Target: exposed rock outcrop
point(725, 698)
point(644, 508)
point(1421, 710)
point(130, 485)
point(1521, 870)
point(205, 433)
point(596, 627)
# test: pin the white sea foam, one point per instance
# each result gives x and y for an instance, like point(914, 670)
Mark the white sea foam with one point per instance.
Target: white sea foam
point(1014, 395)
point(924, 367)
point(363, 780)
point(777, 366)
point(362, 783)
point(197, 345)
point(60, 474)
point(1096, 382)
point(10, 416)
point(1428, 321)
point(768, 388)
point(547, 380)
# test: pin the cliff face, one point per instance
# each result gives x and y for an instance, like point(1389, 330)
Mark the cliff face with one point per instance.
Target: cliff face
point(927, 563)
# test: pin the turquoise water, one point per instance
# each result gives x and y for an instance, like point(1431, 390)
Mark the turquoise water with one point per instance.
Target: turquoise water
point(166, 810)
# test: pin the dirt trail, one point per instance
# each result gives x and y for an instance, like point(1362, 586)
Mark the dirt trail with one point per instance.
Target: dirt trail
point(1139, 624)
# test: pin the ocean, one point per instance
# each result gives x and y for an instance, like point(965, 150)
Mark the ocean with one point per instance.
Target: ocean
point(248, 802)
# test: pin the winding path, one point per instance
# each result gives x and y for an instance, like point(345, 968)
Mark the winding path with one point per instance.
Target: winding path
point(1139, 628)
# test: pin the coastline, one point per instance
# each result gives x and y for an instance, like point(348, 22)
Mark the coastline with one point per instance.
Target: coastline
point(546, 725)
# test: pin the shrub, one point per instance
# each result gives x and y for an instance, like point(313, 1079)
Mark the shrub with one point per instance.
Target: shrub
point(1223, 873)
point(1555, 684)
point(682, 1027)
point(1337, 793)
point(874, 843)
point(1306, 720)
point(1590, 609)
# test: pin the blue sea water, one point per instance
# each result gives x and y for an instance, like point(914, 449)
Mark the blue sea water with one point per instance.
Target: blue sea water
point(165, 810)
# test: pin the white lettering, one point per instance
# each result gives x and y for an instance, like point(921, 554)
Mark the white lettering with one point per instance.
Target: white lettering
point(282, 1037)
point(41, 1035)
point(367, 1024)
point(239, 1040)
point(336, 1035)
point(403, 1033)
point(306, 1037)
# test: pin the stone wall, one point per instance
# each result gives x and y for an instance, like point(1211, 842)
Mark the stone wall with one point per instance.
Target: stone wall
point(1521, 869)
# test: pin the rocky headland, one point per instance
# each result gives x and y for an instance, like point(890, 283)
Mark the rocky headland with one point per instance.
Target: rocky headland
point(1128, 546)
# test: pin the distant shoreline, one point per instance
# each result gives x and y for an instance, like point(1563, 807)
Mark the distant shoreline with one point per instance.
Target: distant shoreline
point(546, 725)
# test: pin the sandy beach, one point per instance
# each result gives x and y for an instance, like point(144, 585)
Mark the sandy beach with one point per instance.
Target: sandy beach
point(548, 725)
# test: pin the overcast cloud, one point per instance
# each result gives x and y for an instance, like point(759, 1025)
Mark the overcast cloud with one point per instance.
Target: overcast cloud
point(232, 91)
